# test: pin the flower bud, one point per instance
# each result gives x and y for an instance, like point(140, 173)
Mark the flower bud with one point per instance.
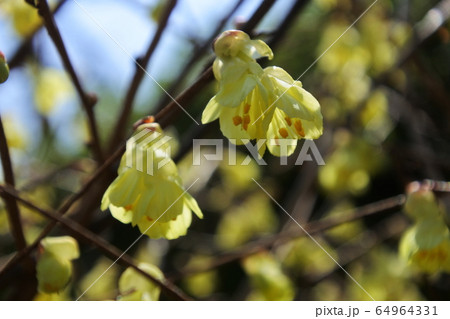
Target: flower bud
point(4, 68)
point(229, 43)
point(53, 273)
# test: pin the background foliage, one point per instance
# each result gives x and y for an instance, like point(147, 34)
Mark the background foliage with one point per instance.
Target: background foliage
point(383, 89)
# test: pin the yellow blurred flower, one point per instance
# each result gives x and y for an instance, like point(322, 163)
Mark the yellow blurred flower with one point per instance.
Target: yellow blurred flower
point(52, 88)
point(249, 219)
point(157, 203)
point(54, 267)
point(427, 245)
point(268, 280)
point(133, 286)
point(25, 18)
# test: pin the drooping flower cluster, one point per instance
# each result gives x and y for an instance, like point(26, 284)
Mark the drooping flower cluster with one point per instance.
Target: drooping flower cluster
point(427, 243)
point(256, 103)
point(148, 191)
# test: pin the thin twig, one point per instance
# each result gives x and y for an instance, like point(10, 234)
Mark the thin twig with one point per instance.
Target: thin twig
point(171, 109)
point(121, 124)
point(88, 100)
point(196, 55)
point(25, 47)
point(423, 30)
point(353, 250)
point(86, 235)
point(164, 117)
point(262, 10)
point(311, 228)
point(279, 34)
point(62, 210)
point(11, 205)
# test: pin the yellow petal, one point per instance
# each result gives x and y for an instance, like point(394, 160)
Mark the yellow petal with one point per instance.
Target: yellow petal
point(192, 204)
point(125, 189)
point(233, 93)
point(212, 111)
point(169, 230)
point(64, 247)
point(121, 214)
point(165, 205)
point(258, 48)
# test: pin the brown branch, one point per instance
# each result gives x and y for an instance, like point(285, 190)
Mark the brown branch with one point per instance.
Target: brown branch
point(351, 251)
point(167, 114)
point(196, 55)
point(11, 205)
point(25, 48)
point(62, 210)
point(423, 30)
point(86, 235)
point(121, 124)
point(429, 185)
point(88, 100)
point(312, 228)
point(279, 34)
point(262, 10)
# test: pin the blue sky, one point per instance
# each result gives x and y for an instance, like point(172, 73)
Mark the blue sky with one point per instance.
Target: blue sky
point(101, 63)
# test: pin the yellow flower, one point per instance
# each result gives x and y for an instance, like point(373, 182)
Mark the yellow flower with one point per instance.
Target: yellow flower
point(241, 97)
point(268, 281)
point(297, 113)
point(25, 18)
point(52, 89)
point(253, 103)
point(157, 203)
point(427, 245)
point(54, 267)
point(133, 286)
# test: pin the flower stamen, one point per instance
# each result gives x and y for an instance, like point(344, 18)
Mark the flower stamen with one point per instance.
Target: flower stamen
point(299, 128)
point(246, 108)
point(283, 132)
point(237, 120)
point(246, 121)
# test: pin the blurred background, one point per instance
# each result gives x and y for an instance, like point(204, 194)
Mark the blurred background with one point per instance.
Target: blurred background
point(382, 83)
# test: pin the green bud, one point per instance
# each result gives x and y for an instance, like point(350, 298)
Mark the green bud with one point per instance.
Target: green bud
point(53, 273)
point(230, 43)
point(4, 68)
point(421, 205)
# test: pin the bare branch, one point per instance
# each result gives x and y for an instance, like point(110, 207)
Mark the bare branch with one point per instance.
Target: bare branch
point(88, 100)
point(25, 48)
point(196, 55)
point(62, 210)
point(86, 235)
point(311, 228)
point(121, 124)
point(11, 204)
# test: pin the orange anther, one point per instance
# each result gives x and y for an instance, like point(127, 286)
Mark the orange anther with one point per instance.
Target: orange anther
point(299, 128)
point(283, 132)
point(237, 120)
